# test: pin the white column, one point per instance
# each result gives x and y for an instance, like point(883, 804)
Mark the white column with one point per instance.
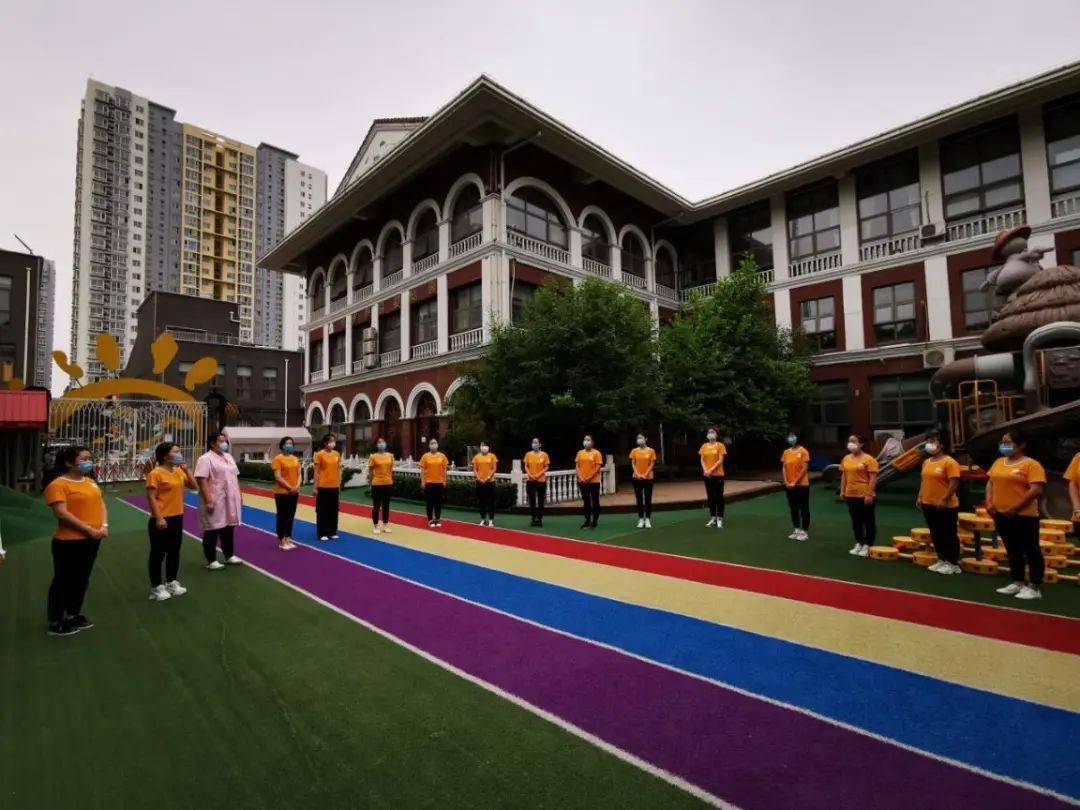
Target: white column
point(376, 269)
point(654, 315)
point(406, 259)
point(326, 350)
point(853, 316)
point(374, 324)
point(406, 333)
point(849, 221)
point(348, 289)
point(307, 356)
point(930, 183)
point(491, 208)
point(348, 345)
point(486, 283)
point(722, 247)
point(779, 237)
point(444, 240)
point(442, 307)
point(616, 263)
point(1033, 162)
point(782, 307)
point(938, 315)
point(575, 247)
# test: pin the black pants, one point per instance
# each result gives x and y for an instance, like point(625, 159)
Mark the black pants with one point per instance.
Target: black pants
point(798, 501)
point(863, 520)
point(1021, 537)
point(285, 511)
point(433, 498)
point(942, 524)
point(211, 538)
point(643, 496)
point(590, 499)
point(73, 560)
point(380, 502)
point(536, 492)
point(485, 494)
point(165, 547)
point(326, 512)
point(714, 491)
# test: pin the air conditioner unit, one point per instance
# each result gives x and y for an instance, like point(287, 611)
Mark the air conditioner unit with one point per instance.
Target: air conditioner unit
point(371, 360)
point(370, 333)
point(937, 357)
point(932, 232)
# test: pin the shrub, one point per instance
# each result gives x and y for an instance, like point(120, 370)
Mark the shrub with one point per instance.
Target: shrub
point(458, 493)
point(258, 470)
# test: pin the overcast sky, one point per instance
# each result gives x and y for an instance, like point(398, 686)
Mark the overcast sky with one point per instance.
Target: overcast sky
point(700, 95)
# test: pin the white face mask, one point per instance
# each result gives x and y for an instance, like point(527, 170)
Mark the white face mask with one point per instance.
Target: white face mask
point(711, 437)
point(483, 450)
point(536, 445)
point(587, 443)
point(852, 447)
point(381, 447)
point(931, 448)
point(433, 447)
point(641, 441)
point(331, 445)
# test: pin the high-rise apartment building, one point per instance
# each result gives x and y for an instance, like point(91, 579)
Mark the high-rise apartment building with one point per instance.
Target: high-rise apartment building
point(288, 192)
point(165, 205)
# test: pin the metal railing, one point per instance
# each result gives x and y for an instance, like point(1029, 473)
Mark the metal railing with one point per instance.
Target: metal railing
point(390, 358)
point(702, 289)
point(636, 282)
point(337, 305)
point(363, 293)
point(595, 267)
point(984, 224)
point(544, 250)
point(425, 264)
point(664, 291)
point(428, 348)
point(470, 242)
point(1065, 206)
point(814, 264)
point(318, 375)
point(884, 248)
point(466, 340)
point(392, 279)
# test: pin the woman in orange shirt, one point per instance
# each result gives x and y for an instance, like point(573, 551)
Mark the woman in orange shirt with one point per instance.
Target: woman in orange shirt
point(484, 464)
point(795, 469)
point(588, 462)
point(537, 463)
point(286, 470)
point(1072, 475)
point(433, 467)
point(858, 488)
point(712, 471)
point(937, 498)
point(642, 463)
point(82, 523)
point(1012, 498)
point(381, 482)
point(165, 485)
point(327, 488)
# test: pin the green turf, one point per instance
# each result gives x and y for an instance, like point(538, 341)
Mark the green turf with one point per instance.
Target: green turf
point(246, 694)
point(755, 533)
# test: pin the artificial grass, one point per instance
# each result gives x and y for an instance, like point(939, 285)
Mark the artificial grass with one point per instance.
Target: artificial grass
point(244, 693)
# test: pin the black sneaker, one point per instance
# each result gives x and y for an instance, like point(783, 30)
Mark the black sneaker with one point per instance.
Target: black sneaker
point(63, 628)
point(80, 622)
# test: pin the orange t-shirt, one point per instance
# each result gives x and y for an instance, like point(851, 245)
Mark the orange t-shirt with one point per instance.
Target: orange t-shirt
point(82, 499)
point(1073, 473)
point(484, 466)
point(433, 468)
point(536, 463)
point(588, 464)
point(710, 453)
point(936, 475)
point(381, 469)
point(857, 472)
point(1010, 484)
point(328, 469)
point(288, 467)
point(168, 486)
point(792, 460)
point(641, 458)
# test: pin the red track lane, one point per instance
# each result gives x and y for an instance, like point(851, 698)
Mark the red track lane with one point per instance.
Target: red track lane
point(1059, 633)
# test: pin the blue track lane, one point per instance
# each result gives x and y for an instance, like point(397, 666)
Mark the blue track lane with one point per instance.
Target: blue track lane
point(1000, 734)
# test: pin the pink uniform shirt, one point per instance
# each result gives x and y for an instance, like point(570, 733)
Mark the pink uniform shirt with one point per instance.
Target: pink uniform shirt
point(223, 480)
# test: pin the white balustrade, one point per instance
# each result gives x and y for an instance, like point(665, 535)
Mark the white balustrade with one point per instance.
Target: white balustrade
point(425, 264)
point(884, 248)
point(392, 279)
point(318, 375)
point(815, 264)
point(337, 371)
point(338, 305)
point(390, 358)
point(470, 242)
point(664, 291)
point(986, 224)
point(466, 340)
point(538, 248)
point(595, 268)
point(363, 293)
point(422, 350)
point(357, 366)
point(1065, 206)
point(692, 292)
point(636, 282)
point(767, 275)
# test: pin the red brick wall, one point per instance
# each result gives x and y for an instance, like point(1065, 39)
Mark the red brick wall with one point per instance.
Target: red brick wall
point(894, 275)
point(824, 289)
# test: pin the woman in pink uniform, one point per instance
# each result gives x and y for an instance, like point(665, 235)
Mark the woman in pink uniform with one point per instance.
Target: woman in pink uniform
point(219, 501)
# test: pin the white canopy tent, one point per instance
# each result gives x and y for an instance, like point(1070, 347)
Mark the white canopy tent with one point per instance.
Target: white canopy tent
point(261, 443)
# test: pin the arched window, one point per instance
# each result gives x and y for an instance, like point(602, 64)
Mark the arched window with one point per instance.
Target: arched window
point(364, 273)
point(339, 284)
point(337, 417)
point(317, 417)
point(391, 254)
point(467, 215)
point(317, 295)
point(427, 423)
point(392, 425)
point(426, 240)
point(594, 240)
point(362, 433)
point(531, 212)
point(665, 268)
point(633, 255)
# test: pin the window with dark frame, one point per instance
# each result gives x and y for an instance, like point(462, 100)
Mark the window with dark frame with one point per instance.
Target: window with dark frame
point(6, 285)
point(978, 303)
point(243, 382)
point(980, 171)
point(426, 241)
point(269, 384)
point(468, 214)
point(532, 213)
point(365, 270)
point(901, 402)
point(750, 231)
point(813, 219)
point(392, 259)
point(894, 312)
point(830, 413)
point(888, 199)
point(389, 332)
point(818, 318)
point(318, 295)
point(522, 295)
point(633, 256)
point(337, 349)
point(425, 322)
point(594, 241)
point(466, 308)
point(339, 289)
point(1061, 122)
point(665, 268)
point(315, 356)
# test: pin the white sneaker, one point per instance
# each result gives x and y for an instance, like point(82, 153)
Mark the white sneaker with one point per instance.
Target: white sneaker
point(375, 529)
point(334, 537)
point(233, 560)
point(864, 551)
point(214, 566)
point(325, 539)
point(954, 569)
point(719, 523)
point(1011, 589)
point(711, 523)
point(491, 523)
point(159, 594)
point(386, 528)
point(803, 535)
point(438, 524)
point(641, 523)
point(794, 535)
point(1028, 592)
point(648, 523)
point(175, 588)
point(936, 567)
point(855, 549)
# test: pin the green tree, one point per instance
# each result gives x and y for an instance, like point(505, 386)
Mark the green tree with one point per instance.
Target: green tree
point(580, 359)
point(725, 362)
